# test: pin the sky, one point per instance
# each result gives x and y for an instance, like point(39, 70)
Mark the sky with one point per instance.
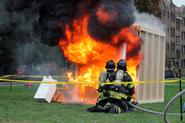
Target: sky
point(179, 2)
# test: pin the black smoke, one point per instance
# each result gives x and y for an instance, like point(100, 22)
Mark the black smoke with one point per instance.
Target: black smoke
point(26, 25)
point(120, 14)
point(53, 15)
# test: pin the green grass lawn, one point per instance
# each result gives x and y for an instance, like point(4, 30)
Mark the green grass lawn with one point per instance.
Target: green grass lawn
point(19, 106)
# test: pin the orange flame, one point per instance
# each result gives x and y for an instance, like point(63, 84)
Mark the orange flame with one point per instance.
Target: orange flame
point(134, 55)
point(90, 55)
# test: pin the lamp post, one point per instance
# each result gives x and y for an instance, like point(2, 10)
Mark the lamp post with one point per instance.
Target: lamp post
point(180, 81)
point(180, 89)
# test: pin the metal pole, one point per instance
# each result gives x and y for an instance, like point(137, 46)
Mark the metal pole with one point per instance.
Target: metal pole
point(10, 86)
point(180, 89)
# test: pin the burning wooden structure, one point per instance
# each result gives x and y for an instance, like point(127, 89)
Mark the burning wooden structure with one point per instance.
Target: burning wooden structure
point(97, 36)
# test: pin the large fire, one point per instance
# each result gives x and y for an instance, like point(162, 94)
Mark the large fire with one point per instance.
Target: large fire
point(90, 55)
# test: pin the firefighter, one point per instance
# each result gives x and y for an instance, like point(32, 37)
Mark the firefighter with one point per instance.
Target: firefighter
point(105, 77)
point(112, 97)
point(121, 94)
point(123, 76)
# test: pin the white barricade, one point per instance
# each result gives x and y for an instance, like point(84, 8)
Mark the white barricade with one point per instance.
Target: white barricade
point(46, 92)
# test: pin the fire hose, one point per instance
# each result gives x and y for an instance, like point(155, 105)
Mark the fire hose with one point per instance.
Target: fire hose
point(164, 113)
point(170, 104)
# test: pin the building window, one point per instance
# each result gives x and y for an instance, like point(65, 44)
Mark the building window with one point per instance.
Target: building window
point(168, 15)
point(183, 35)
point(172, 32)
point(178, 25)
point(173, 47)
point(183, 62)
point(178, 54)
point(177, 39)
point(183, 49)
point(167, 46)
point(171, 16)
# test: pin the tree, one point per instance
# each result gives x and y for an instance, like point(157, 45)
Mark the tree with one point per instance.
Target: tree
point(149, 6)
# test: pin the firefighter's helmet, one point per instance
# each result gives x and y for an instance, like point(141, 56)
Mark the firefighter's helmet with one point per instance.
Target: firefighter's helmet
point(110, 65)
point(122, 65)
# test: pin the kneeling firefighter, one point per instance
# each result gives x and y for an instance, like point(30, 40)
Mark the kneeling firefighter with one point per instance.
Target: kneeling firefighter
point(123, 76)
point(112, 97)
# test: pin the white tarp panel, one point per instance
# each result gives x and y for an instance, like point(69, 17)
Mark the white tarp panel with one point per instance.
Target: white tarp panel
point(45, 92)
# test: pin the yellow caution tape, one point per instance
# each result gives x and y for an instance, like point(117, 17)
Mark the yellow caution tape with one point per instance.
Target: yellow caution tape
point(169, 81)
point(32, 81)
point(4, 79)
point(63, 83)
point(121, 83)
point(6, 76)
point(182, 80)
point(42, 82)
point(39, 82)
point(33, 76)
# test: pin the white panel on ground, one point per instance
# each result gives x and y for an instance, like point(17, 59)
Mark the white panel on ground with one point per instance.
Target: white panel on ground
point(45, 92)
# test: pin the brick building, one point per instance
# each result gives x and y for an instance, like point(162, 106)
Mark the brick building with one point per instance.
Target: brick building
point(174, 19)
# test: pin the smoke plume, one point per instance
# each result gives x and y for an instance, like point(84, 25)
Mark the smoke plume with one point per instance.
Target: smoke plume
point(26, 23)
point(148, 20)
point(107, 17)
